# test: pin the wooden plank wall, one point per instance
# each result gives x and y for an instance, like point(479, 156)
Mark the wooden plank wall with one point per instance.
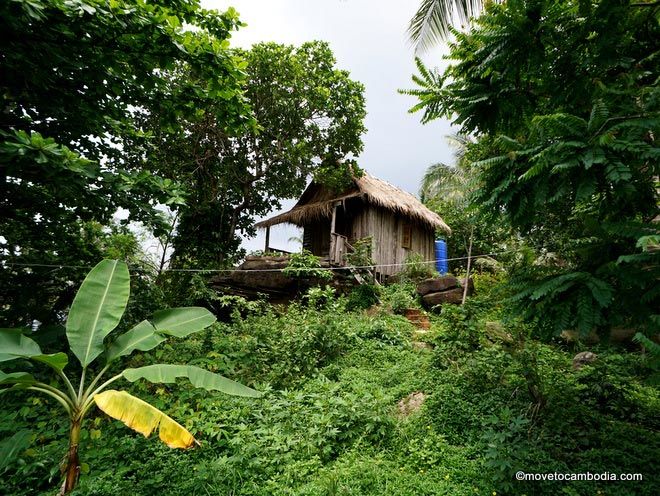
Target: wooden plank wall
point(386, 229)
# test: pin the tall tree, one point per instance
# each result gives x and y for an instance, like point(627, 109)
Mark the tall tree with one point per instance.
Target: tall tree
point(567, 94)
point(309, 118)
point(77, 79)
point(448, 190)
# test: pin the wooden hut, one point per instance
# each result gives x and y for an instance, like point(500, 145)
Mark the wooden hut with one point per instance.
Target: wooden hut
point(397, 223)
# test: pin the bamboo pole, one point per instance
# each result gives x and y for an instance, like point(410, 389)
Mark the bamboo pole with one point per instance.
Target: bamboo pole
point(467, 274)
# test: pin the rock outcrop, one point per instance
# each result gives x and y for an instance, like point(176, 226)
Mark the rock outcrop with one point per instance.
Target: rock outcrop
point(443, 290)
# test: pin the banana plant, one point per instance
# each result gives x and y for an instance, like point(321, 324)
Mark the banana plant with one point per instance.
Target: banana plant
point(96, 310)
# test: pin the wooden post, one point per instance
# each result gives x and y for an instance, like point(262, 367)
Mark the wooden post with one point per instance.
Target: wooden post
point(267, 239)
point(333, 238)
point(334, 219)
point(467, 273)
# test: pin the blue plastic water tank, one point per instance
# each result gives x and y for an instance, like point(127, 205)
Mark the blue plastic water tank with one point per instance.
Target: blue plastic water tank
point(441, 256)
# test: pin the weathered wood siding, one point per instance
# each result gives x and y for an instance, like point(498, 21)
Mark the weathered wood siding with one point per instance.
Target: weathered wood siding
point(386, 229)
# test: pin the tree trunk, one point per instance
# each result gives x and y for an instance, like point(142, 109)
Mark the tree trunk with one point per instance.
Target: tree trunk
point(72, 470)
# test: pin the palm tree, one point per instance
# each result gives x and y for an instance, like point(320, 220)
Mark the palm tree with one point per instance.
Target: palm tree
point(443, 181)
point(452, 184)
point(432, 21)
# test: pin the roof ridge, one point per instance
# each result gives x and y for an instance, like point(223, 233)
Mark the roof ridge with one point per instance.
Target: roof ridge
point(376, 191)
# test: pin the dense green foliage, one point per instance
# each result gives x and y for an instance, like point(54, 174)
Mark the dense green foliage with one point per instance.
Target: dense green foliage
point(497, 402)
point(306, 265)
point(447, 190)
point(95, 312)
point(309, 121)
point(130, 104)
point(563, 98)
point(78, 79)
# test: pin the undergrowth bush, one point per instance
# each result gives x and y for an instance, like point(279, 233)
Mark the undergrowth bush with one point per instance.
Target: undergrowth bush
point(417, 269)
point(362, 297)
point(305, 265)
point(329, 421)
point(400, 297)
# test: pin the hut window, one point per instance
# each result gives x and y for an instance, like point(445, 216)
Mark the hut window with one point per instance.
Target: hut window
point(406, 238)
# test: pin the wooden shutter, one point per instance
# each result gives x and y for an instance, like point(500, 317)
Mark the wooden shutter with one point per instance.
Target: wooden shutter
point(406, 236)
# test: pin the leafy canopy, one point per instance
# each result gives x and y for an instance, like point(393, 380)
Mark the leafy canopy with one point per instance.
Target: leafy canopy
point(566, 94)
point(78, 79)
point(309, 117)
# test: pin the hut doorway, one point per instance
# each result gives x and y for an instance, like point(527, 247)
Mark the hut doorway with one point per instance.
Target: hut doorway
point(316, 237)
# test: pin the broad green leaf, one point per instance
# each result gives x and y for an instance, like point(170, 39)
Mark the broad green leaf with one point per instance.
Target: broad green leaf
point(14, 344)
point(15, 378)
point(143, 418)
point(142, 337)
point(56, 360)
point(11, 447)
point(97, 309)
point(181, 322)
point(165, 373)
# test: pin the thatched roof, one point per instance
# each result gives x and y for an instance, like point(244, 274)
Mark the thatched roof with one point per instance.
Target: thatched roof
point(317, 202)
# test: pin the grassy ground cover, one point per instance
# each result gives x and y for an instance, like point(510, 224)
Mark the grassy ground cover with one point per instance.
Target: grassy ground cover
point(497, 401)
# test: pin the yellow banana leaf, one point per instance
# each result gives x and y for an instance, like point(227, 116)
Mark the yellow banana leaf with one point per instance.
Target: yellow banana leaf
point(144, 418)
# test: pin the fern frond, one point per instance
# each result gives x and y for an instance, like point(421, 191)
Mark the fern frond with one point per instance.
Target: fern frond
point(489, 162)
point(601, 292)
point(556, 284)
point(599, 114)
point(586, 314)
point(559, 124)
point(617, 171)
point(652, 347)
point(533, 171)
point(586, 188)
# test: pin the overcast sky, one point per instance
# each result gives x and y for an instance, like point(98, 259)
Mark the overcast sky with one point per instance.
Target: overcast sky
point(368, 38)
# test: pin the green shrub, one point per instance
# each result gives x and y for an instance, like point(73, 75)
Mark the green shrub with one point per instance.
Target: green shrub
point(389, 330)
point(400, 296)
point(361, 254)
point(322, 298)
point(363, 296)
point(417, 269)
point(304, 265)
point(330, 425)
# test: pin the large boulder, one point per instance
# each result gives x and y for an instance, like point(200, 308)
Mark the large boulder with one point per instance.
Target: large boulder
point(436, 285)
point(257, 275)
point(262, 280)
point(454, 296)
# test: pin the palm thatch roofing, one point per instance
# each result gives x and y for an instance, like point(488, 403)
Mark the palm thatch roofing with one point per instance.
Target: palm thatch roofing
point(317, 202)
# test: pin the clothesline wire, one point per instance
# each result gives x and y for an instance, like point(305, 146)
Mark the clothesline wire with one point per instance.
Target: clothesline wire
point(352, 267)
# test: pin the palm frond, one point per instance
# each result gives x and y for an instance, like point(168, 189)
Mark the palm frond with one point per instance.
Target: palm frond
point(432, 21)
